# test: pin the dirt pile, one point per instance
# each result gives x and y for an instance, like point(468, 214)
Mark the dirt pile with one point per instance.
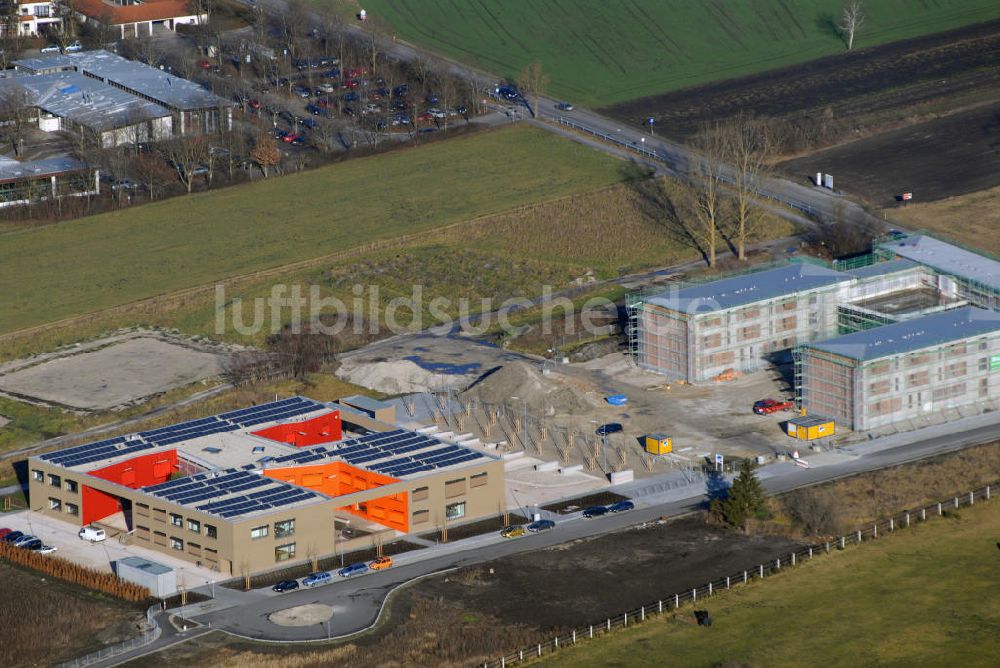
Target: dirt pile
point(399, 376)
point(553, 393)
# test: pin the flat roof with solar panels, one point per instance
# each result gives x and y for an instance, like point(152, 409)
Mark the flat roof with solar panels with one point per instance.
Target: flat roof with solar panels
point(232, 493)
point(232, 453)
point(191, 437)
point(399, 453)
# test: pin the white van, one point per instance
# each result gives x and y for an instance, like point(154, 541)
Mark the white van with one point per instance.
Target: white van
point(92, 534)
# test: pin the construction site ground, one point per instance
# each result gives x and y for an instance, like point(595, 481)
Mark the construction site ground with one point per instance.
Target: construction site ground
point(551, 411)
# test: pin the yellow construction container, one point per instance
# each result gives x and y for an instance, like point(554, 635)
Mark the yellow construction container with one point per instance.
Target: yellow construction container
point(659, 444)
point(809, 427)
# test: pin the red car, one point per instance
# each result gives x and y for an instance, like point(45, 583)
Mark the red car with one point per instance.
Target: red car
point(768, 406)
point(4, 532)
point(353, 83)
point(254, 104)
point(291, 138)
point(354, 72)
point(425, 117)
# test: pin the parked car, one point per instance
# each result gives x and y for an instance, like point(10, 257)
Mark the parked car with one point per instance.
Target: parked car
point(73, 47)
point(564, 106)
point(50, 48)
point(12, 536)
point(290, 138)
point(437, 113)
point(380, 564)
point(609, 428)
point(351, 97)
point(93, 534)
point(768, 406)
point(46, 549)
point(200, 170)
point(540, 525)
point(621, 506)
point(302, 91)
point(508, 93)
point(317, 579)
point(353, 569)
point(4, 532)
point(425, 117)
point(513, 532)
point(26, 540)
point(325, 88)
point(286, 585)
point(33, 544)
point(595, 511)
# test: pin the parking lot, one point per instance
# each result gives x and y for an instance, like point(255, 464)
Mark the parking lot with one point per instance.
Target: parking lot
point(63, 536)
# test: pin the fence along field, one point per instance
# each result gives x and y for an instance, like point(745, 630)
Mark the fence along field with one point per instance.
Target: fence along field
point(607, 52)
point(110, 259)
point(927, 597)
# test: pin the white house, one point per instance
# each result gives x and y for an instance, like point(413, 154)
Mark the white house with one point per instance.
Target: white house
point(36, 17)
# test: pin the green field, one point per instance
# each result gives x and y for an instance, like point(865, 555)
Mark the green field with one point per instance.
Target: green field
point(928, 596)
point(82, 266)
point(600, 53)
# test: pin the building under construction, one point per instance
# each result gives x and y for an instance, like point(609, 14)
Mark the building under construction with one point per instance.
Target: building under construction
point(698, 332)
point(913, 368)
point(905, 286)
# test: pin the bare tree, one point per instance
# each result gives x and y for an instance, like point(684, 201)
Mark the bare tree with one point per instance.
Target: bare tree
point(265, 153)
point(17, 113)
point(186, 155)
point(852, 17)
point(746, 145)
point(12, 42)
point(705, 195)
point(152, 172)
point(533, 81)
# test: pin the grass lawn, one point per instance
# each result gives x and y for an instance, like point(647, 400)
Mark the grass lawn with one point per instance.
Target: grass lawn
point(970, 219)
point(110, 259)
point(600, 53)
point(927, 596)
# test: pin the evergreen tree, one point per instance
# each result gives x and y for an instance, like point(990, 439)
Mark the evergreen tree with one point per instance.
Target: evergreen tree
point(746, 498)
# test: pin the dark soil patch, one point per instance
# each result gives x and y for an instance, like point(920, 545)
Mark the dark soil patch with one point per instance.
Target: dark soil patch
point(272, 578)
point(588, 580)
point(573, 505)
point(489, 525)
point(940, 158)
point(191, 597)
point(893, 76)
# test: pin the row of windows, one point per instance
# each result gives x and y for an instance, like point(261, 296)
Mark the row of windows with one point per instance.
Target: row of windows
point(177, 543)
point(282, 529)
point(58, 505)
point(193, 525)
point(452, 511)
point(56, 481)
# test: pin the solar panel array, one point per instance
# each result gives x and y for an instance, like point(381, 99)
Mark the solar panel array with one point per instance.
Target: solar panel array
point(276, 410)
point(95, 452)
point(175, 433)
point(236, 492)
point(393, 453)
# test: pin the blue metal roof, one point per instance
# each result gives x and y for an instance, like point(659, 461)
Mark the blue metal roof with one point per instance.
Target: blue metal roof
point(912, 335)
point(947, 259)
point(748, 288)
point(883, 268)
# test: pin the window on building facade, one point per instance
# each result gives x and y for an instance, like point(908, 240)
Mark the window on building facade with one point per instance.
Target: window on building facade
point(176, 543)
point(258, 532)
point(194, 525)
point(176, 520)
point(55, 480)
point(454, 511)
point(284, 528)
point(55, 504)
point(72, 509)
point(421, 516)
point(38, 475)
point(421, 494)
point(478, 480)
point(284, 552)
point(71, 486)
point(210, 531)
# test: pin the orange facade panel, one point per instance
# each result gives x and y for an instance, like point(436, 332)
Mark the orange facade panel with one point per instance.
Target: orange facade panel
point(325, 428)
point(339, 479)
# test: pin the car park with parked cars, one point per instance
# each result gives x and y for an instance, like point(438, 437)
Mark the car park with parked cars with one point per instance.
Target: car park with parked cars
point(286, 585)
point(317, 579)
point(541, 525)
point(353, 569)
